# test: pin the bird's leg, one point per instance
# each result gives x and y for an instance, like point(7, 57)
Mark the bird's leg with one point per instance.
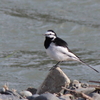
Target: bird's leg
point(55, 66)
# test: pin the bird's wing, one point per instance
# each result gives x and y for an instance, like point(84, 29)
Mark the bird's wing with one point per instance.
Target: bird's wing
point(63, 48)
point(59, 42)
point(74, 57)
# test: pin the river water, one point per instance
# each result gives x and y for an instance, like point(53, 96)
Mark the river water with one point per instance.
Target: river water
point(23, 61)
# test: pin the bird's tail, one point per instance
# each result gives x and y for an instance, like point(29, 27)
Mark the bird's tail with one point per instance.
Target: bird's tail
point(74, 57)
point(88, 65)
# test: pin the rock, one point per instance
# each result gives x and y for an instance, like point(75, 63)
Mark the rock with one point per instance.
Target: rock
point(32, 97)
point(54, 81)
point(84, 85)
point(66, 97)
point(2, 90)
point(10, 97)
point(95, 96)
point(32, 90)
point(87, 90)
point(25, 93)
point(75, 84)
point(47, 96)
point(80, 87)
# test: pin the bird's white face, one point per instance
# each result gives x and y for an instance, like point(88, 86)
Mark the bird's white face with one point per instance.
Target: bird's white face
point(50, 34)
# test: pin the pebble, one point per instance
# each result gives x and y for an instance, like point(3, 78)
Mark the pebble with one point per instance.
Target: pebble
point(87, 90)
point(25, 93)
point(75, 84)
point(47, 96)
point(2, 90)
point(32, 97)
point(66, 97)
point(95, 96)
point(84, 85)
point(32, 90)
point(9, 97)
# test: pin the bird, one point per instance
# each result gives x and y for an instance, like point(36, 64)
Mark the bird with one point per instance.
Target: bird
point(57, 49)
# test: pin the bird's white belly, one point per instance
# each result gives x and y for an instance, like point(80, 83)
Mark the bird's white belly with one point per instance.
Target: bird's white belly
point(57, 53)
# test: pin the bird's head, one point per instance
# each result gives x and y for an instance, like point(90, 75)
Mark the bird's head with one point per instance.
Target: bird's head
point(50, 34)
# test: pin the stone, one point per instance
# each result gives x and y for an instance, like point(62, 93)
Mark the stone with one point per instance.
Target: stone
point(54, 81)
point(10, 97)
point(66, 97)
point(95, 96)
point(84, 85)
point(47, 96)
point(32, 97)
point(32, 90)
point(87, 90)
point(75, 84)
point(25, 93)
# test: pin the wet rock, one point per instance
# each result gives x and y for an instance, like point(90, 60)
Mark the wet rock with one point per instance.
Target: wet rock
point(47, 96)
point(54, 82)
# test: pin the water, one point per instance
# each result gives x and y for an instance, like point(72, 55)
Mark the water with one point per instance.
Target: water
point(23, 61)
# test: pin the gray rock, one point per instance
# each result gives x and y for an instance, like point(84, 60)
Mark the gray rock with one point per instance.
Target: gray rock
point(32, 90)
point(2, 90)
point(95, 96)
point(32, 97)
point(26, 93)
point(87, 90)
point(35, 95)
point(84, 85)
point(54, 81)
point(75, 84)
point(47, 96)
point(66, 97)
point(9, 97)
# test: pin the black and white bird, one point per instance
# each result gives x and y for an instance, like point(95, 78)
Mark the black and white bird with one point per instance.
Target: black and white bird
point(57, 49)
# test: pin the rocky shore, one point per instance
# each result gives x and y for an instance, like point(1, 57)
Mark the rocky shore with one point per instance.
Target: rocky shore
point(56, 86)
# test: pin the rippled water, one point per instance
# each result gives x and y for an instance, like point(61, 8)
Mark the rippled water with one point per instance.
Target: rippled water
point(23, 61)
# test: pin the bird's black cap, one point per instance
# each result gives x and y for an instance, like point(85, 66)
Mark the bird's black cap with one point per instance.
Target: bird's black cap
point(52, 31)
